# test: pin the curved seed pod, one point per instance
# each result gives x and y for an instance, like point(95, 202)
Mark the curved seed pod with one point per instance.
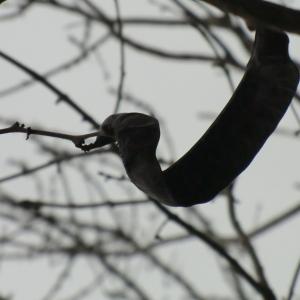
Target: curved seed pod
point(231, 142)
point(241, 129)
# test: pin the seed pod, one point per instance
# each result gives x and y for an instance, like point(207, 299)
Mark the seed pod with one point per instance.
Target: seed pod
point(243, 126)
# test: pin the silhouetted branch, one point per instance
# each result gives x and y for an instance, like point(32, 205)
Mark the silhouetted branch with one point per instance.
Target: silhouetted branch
point(33, 204)
point(210, 38)
point(137, 45)
point(75, 213)
point(60, 280)
point(52, 162)
point(238, 284)
point(246, 241)
point(266, 293)
point(277, 220)
point(294, 282)
point(71, 63)
point(79, 241)
point(61, 96)
point(260, 12)
point(122, 57)
point(77, 140)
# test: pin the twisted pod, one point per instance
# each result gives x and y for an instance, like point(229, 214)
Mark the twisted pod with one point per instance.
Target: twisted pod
point(228, 146)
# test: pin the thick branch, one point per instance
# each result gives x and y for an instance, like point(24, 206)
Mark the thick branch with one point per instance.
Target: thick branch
point(259, 12)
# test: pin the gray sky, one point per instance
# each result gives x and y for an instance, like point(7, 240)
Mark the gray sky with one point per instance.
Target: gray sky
point(178, 92)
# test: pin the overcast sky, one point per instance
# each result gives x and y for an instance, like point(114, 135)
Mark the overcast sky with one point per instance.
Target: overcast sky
point(178, 92)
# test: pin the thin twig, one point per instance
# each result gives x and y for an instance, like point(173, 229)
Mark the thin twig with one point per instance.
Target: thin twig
point(210, 37)
point(218, 249)
point(40, 204)
point(67, 65)
point(78, 140)
point(277, 220)
point(245, 239)
point(294, 281)
point(61, 96)
point(60, 280)
point(122, 57)
point(50, 163)
point(296, 115)
point(102, 18)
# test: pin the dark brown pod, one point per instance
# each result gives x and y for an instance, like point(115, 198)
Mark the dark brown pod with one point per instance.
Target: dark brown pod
point(231, 142)
point(241, 129)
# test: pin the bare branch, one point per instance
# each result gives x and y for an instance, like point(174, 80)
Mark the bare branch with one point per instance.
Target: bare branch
point(61, 96)
point(294, 282)
point(122, 57)
point(78, 140)
point(268, 295)
point(246, 241)
point(261, 13)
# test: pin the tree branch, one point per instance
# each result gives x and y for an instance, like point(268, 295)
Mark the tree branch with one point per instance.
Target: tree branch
point(245, 240)
point(265, 292)
point(261, 13)
point(61, 96)
point(294, 281)
point(122, 57)
point(78, 140)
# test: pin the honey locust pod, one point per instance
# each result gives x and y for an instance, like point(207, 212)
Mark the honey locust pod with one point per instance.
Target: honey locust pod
point(231, 142)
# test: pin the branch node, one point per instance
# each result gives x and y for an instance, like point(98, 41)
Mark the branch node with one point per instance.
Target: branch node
point(30, 205)
point(16, 125)
point(28, 132)
point(59, 99)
